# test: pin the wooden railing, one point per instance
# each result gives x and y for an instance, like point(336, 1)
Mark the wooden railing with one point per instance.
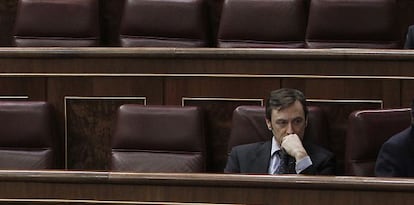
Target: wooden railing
point(111, 187)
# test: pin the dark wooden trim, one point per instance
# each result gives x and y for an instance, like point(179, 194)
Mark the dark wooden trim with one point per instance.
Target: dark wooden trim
point(198, 187)
point(207, 53)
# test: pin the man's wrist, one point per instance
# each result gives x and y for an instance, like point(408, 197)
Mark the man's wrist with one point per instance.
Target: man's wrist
point(300, 155)
point(303, 164)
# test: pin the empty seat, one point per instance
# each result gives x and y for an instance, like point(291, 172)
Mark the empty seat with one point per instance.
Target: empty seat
point(66, 23)
point(367, 131)
point(27, 135)
point(164, 23)
point(263, 23)
point(353, 24)
point(249, 126)
point(158, 139)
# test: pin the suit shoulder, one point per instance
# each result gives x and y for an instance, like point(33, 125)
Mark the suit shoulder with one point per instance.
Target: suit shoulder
point(411, 29)
point(399, 142)
point(400, 137)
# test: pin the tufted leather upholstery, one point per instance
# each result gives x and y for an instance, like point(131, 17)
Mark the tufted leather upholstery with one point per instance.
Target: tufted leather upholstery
point(68, 23)
point(249, 125)
point(26, 135)
point(367, 131)
point(164, 23)
point(353, 23)
point(158, 139)
point(263, 23)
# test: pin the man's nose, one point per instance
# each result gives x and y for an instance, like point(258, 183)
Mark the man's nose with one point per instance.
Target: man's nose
point(289, 128)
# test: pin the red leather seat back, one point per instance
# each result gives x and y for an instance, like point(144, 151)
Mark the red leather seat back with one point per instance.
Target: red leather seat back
point(164, 23)
point(263, 23)
point(353, 24)
point(159, 139)
point(63, 23)
point(367, 131)
point(27, 135)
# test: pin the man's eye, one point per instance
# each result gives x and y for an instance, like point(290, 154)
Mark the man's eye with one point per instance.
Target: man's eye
point(298, 121)
point(281, 122)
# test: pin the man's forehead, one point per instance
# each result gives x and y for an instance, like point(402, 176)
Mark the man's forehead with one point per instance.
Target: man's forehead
point(296, 106)
point(283, 117)
point(288, 112)
point(280, 114)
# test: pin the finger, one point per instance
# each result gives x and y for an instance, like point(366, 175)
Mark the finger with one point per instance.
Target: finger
point(287, 136)
point(285, 140)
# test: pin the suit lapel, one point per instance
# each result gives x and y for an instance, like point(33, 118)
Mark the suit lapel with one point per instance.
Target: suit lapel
point(260, 163)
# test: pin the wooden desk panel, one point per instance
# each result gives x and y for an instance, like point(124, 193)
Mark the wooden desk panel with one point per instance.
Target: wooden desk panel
point(205, 188)
point(288, 62)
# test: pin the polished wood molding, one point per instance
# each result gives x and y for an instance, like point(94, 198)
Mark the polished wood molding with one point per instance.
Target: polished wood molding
point(222, 180)
point(220, 53)
point(201, 188)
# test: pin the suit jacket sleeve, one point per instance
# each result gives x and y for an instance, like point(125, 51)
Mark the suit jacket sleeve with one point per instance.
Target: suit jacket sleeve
point(388, 161)
point(323, 161)
point(232, 165)
point(324, 167)
point(409, 41)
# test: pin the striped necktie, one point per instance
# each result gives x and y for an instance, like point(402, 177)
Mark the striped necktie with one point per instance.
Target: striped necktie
point(287, 163)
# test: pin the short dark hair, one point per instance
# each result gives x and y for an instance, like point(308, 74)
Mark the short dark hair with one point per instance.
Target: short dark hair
point(283, 98)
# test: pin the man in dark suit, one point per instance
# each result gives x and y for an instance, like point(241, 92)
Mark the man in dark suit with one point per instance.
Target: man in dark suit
point(396, 156)
point(285, 153)
point(409, 40)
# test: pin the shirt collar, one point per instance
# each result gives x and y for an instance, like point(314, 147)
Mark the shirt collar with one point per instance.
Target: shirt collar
point(275, 146)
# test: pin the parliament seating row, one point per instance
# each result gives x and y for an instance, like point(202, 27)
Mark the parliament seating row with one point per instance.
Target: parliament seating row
point(322, 24)
point(243, 23)
point(172, 138)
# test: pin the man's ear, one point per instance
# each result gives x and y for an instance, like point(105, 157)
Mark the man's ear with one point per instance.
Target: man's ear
point(268, 124)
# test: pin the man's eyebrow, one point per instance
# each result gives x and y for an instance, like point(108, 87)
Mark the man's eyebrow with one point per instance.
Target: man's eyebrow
point(298, 117)
point(295, 118)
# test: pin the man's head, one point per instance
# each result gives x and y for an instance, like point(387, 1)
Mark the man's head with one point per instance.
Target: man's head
point(286, 113)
